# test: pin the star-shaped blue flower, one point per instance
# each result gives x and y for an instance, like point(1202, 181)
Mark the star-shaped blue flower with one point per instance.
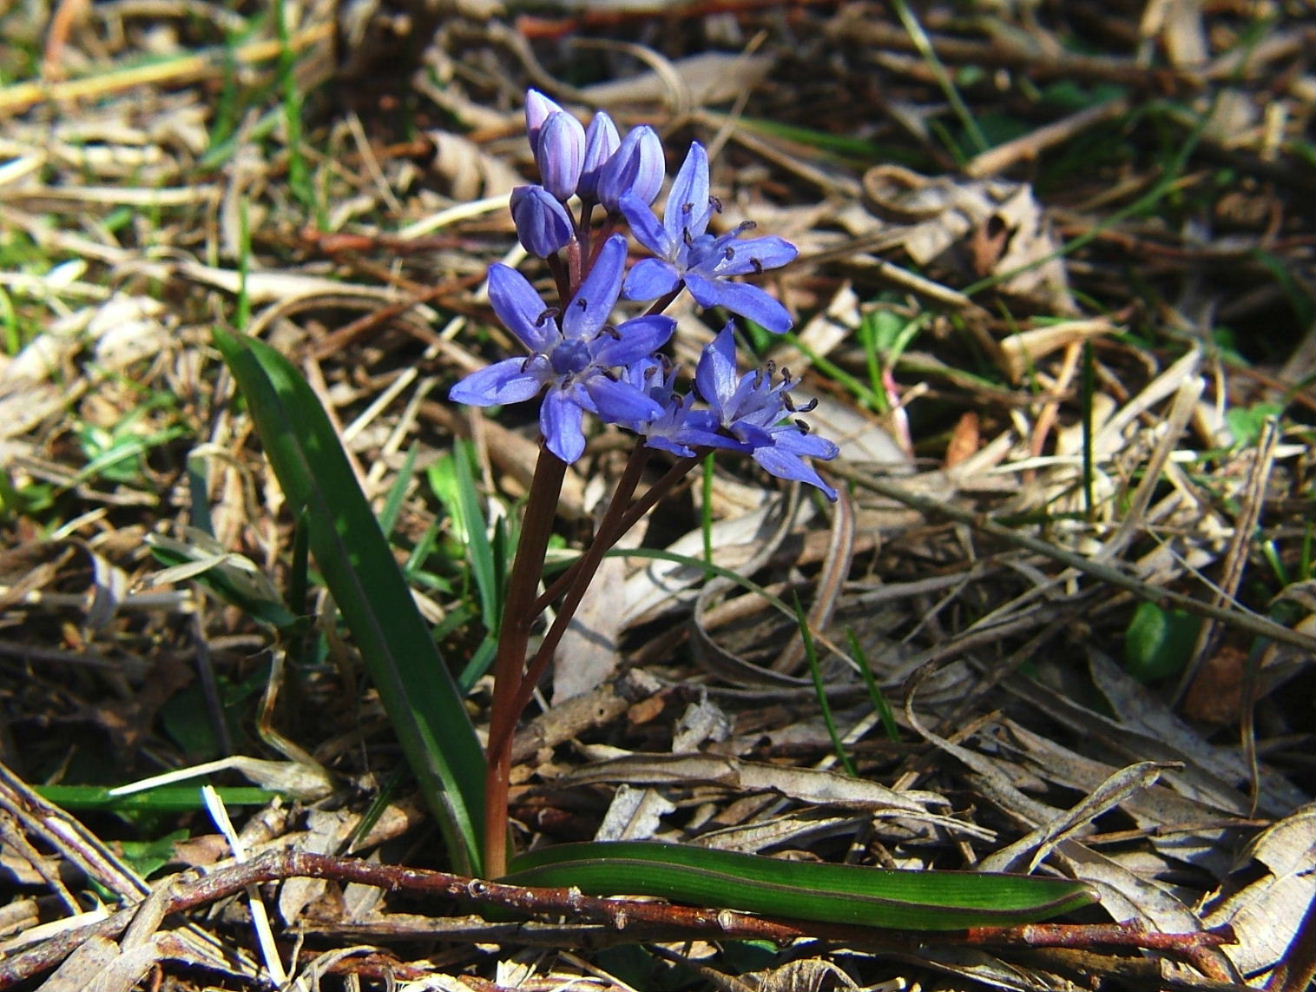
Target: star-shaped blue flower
point(686, 254)
point(755, 412)
point(576, 355)
point(680, 428)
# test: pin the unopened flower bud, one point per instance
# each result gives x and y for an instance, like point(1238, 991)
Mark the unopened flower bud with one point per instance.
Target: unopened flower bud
point(637, 167)
point(560, 153)
point(537, 110)
point(543, 225)
point(601, 143)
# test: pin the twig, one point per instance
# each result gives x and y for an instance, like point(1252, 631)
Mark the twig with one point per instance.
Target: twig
point(640, 920)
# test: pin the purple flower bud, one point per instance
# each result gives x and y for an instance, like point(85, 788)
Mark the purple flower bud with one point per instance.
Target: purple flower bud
point(537, 110)
point(601, 142)
point(542, 223)
point(638, 167)
point(559, 153)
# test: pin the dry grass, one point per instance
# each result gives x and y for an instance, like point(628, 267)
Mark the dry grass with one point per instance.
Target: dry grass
point(1077, 546)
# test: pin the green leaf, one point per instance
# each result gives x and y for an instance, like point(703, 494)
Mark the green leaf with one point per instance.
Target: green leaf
point(418, 692)
point(164, 799)
point(1159, 642)
point(801, 890)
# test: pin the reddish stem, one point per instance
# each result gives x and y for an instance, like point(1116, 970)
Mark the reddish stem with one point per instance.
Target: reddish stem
point(513, 637)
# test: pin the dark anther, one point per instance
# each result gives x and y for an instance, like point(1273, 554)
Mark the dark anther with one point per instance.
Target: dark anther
point(546, 316)
point(714, 202)
point(810, 406)
point(686, 237)
point(785, 375)
point(582, 303)
point(787, 402)
point(758, 266)
point(745, 225)
point(771, 367)
point(611, 332)
point(804, 428)
point(729, 253)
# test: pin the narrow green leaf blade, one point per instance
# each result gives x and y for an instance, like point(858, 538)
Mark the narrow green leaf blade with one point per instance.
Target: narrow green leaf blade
point(822, 893)
point(417, 690)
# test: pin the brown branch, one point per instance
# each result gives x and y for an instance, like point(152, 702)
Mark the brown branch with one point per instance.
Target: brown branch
point(639, 920)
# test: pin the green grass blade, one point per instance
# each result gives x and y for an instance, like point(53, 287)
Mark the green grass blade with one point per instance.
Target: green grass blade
point(165, 799)
point(820, 689)
point(417, 690)
point(801, 890)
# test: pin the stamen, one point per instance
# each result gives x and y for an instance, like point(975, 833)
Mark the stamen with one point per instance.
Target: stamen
point(810, 406)
point(804, 428)
point(546, 316)
point(729, 253)
point(714, 202)
point(687, 237)
point(745, 225)
point(582, 303)
point(758, 266)
point(611, 332)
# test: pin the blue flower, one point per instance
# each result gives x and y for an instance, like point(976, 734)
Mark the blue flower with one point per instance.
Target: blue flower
point(754, 411)
point(543, 225)
point(679, 427)
point(686, 254)
point(576, 355)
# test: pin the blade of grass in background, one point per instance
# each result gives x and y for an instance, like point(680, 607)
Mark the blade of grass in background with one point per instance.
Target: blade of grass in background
point(419, 694)
point(820, 689)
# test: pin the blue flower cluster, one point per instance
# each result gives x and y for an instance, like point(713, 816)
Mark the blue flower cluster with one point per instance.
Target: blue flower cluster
point(580, 361)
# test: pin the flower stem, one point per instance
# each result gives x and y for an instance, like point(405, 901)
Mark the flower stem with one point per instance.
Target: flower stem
point(583, 573)
point(513, 637)
point(611, 527)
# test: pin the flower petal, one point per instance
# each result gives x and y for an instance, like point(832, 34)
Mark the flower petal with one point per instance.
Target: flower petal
point(560, 420)
point(716, 375)
point(591, 307)
point(509, 381)
point(787, 466)
point(755, 255)
point(688, 206)
point(636, 339)
point(646, 227)
point(791, 439)
point(620, 402)
point(649, 279)
point(740, 298)
point(520, 308)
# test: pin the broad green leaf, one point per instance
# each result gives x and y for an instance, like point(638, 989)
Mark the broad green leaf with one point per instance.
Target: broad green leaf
point(415, 686)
